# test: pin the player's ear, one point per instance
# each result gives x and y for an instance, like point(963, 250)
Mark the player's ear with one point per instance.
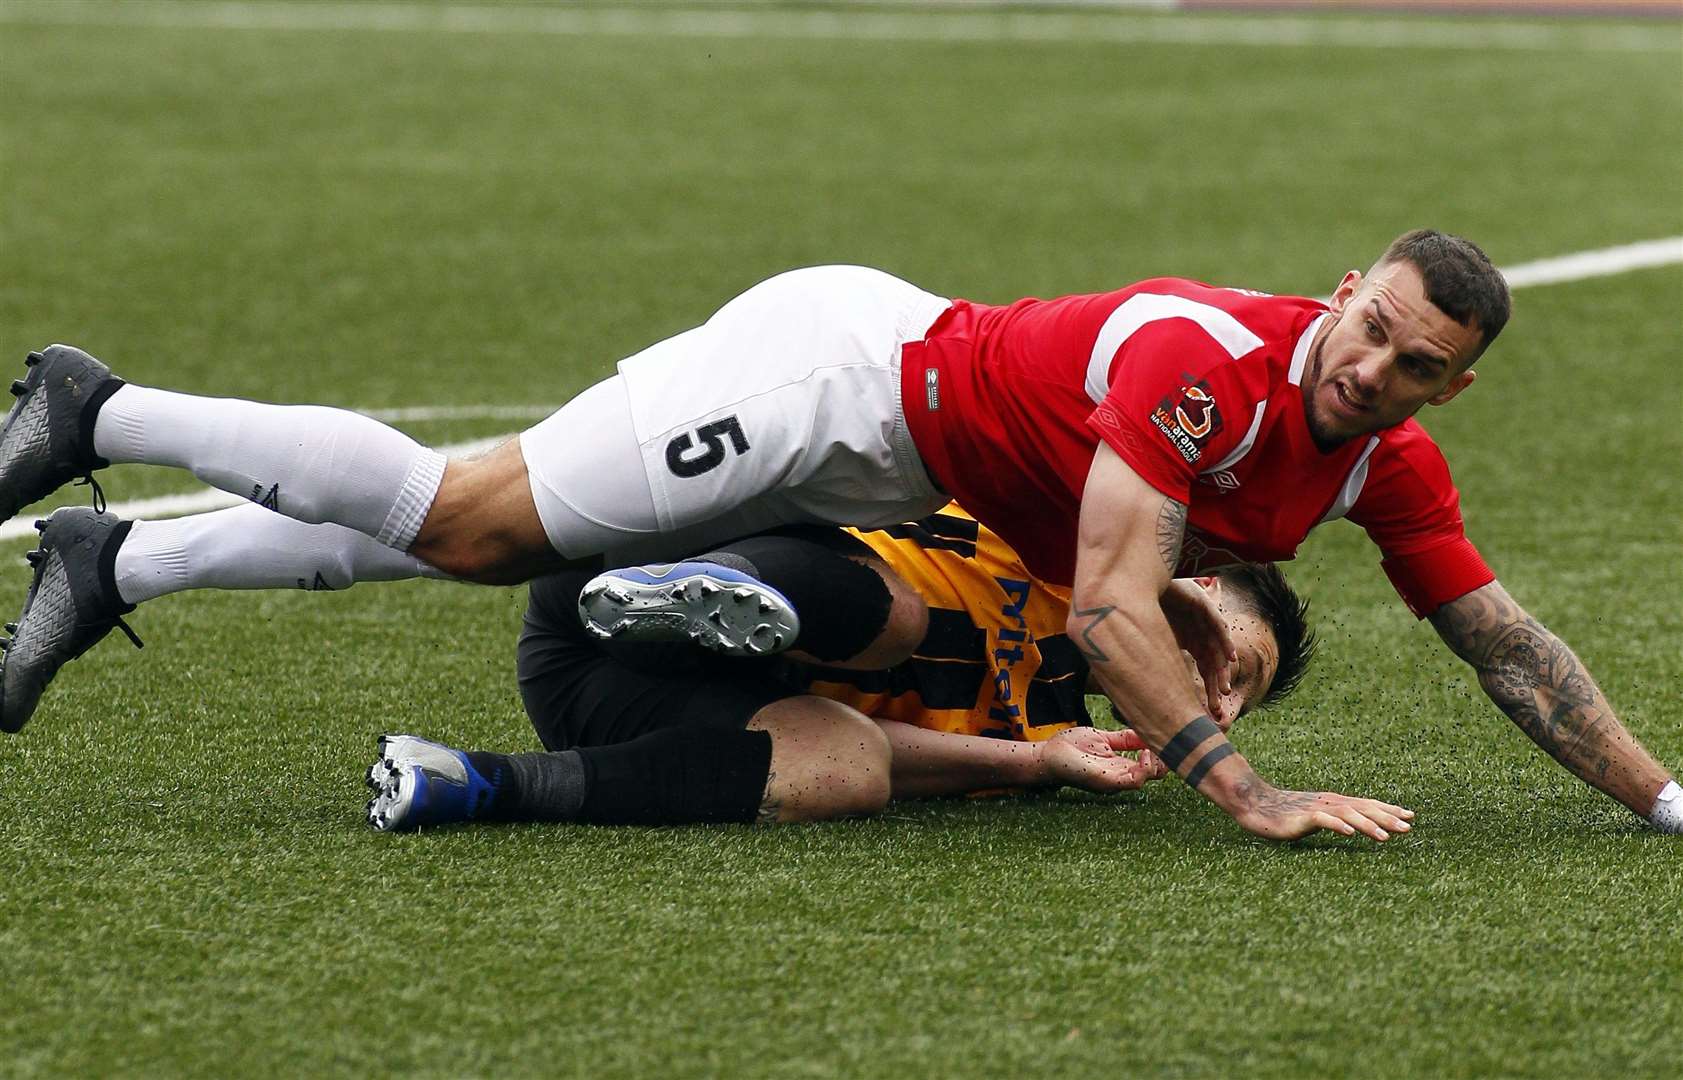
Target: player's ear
point(1209, 583)
point(1456, 385)
point(1346, 289)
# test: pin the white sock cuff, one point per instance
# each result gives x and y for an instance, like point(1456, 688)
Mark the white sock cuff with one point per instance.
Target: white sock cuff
point(153, 560)
point(1668, 809)
point(120, 428)
point(420, 487)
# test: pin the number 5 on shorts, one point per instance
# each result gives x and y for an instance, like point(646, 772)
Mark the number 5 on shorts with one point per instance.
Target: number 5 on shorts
point(712, 436)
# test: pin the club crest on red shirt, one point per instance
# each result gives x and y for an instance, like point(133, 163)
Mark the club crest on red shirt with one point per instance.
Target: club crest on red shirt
point(1196, 413)
point(1189, 419)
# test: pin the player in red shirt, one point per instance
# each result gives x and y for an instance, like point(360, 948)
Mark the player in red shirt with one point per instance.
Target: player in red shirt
point(1114, 440)
point(1172, 427)
point(1199, 391)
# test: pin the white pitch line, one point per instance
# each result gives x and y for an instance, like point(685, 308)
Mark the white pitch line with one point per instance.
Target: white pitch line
point(1602, 262)
point(848, 25)
point(412, 413)
point(1599, 263)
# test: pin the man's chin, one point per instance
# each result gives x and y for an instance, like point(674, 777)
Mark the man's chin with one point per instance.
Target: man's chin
point(1326, 437)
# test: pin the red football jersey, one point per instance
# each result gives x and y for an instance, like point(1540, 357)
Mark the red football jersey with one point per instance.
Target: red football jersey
point(1198, 389)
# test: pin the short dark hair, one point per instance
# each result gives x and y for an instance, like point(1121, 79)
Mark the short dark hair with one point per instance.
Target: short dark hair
point(1262, 590)
point(1460, 280)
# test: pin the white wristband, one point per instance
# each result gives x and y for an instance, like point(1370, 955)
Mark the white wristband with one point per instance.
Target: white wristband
point(1668, 809)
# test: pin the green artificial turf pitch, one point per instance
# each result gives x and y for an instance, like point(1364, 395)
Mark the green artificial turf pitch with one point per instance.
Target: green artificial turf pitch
point(403, 217)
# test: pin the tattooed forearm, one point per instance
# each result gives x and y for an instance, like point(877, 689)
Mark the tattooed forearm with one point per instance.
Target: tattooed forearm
point(1094, 616)
point(1532, 676)
point(1171, 529)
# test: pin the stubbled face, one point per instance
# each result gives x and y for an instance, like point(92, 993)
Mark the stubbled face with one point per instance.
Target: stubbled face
point(1386, 352)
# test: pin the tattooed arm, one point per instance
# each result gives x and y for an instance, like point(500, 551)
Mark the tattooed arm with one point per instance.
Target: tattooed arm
point(1127, 550)
point(1533, 677)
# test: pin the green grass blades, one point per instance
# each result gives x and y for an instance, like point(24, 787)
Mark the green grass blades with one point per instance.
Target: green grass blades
point(251, 200)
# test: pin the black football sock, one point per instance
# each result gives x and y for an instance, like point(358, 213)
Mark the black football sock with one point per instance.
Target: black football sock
point(532, 787)
point(677, 776)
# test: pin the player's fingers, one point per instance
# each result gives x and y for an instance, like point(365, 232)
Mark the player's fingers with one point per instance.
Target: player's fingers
point(1126, 739)
point(1217, 673)
point(1223, 632)
point(1322, 819)
point(1225, 710)
point(1363, 824)
point(1231, 662)
point(1387, 817)
point(1153, 764)
point(1128, 777)
point(1221, 639)
point(1107, 776)
point(1372, 806)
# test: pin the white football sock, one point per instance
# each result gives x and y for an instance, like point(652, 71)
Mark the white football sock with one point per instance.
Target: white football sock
point(247, 547)
point(308, 462)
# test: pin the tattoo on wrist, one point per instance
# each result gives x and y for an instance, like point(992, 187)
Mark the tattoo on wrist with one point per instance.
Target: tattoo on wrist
point(1171, 530)
point(1253, 793)
point(1094, 616)
point(1208, 762)
point(1187, 739)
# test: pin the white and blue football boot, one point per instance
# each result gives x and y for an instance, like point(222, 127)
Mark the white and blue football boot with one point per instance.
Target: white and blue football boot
point(418, 782)
point(718, 608)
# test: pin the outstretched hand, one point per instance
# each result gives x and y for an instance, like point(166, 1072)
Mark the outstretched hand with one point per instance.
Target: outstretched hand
point(1095, 760)
point(1278, 814)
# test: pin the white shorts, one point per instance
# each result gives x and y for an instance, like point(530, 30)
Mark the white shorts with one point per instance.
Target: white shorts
point(783, 407)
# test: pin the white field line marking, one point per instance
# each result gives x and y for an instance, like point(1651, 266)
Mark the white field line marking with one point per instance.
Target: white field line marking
point(1599, 263)
point(1602, 262)
point(848, 25)
point(460, 412)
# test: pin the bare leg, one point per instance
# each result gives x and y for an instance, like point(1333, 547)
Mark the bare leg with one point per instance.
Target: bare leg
point(483, 525)
point(827, 761)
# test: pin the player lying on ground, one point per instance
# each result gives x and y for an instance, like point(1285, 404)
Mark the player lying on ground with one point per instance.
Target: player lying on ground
point(992, 694)
point(1115, 440)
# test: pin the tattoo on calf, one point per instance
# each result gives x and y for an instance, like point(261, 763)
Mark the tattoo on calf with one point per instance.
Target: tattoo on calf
point(1171, 530)
point(1094, 616)
point(770, 807)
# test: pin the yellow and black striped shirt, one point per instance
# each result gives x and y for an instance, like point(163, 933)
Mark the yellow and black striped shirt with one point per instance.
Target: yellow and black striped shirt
point(996, 660)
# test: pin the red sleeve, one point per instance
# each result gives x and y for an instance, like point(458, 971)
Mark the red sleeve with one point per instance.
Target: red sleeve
point(1410, 507)
point(1174, 396)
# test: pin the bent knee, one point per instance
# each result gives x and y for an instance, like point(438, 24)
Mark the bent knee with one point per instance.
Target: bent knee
point(861, 767)
point(908, 625)
point(479, 559)
point(483, 525)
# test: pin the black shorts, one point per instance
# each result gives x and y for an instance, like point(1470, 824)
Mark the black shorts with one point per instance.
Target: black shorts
point(580, 691)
